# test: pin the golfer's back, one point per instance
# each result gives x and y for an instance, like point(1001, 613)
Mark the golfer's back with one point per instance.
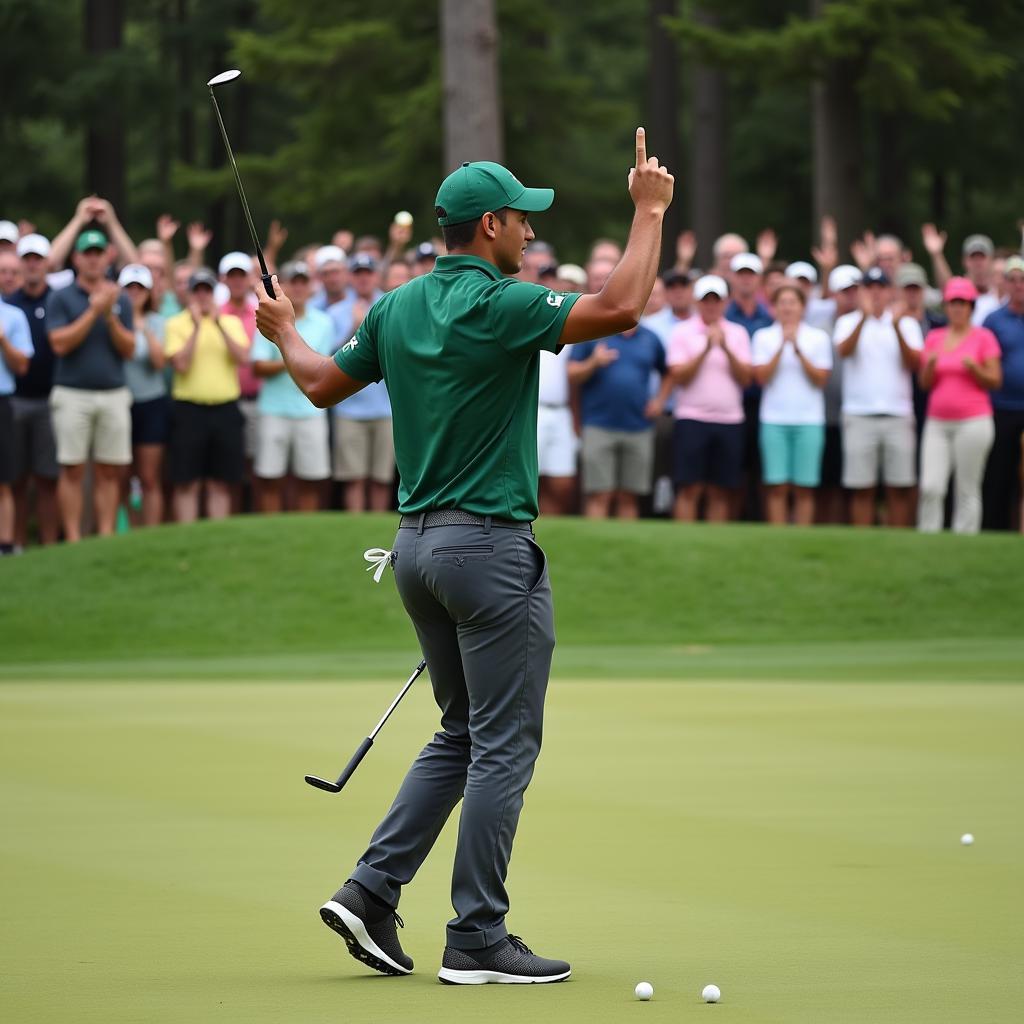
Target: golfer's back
point(459, 350)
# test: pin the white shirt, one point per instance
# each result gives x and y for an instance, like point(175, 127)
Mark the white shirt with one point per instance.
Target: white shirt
point(875, 381)
point(554, 377)
point(790, 398)
point(985, 304)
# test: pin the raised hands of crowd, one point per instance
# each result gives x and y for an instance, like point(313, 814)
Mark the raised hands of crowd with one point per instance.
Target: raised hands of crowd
point(166, 228)
point(826, 253)
point(933, 239)
point(686, 249)
point(864, 250)
point(767, 245)
point(199, 236)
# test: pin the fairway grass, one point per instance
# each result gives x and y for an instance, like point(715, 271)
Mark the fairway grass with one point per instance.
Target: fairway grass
point(798, 845)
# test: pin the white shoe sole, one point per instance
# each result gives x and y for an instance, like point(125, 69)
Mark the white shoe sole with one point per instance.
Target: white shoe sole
point(451, 977)
point(353, 931)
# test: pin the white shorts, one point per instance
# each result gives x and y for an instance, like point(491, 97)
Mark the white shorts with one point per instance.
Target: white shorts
point(301, 443)
point(96, 421)
point(556, 441)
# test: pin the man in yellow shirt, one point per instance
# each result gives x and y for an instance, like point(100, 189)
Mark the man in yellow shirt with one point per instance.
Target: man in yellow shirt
point(205, 349)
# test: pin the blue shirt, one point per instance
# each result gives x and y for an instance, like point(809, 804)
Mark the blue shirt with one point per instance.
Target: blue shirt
point(95, 365)
point(14, 324)
point(616, 395)
point(39, 379)
point(753, 323)
point(1008, 327)
point(372, 402)
point(280, 395)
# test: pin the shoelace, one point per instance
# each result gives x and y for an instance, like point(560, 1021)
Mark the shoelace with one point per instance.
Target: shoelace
point(379, 559)
point(520, 945)
point(399, 921)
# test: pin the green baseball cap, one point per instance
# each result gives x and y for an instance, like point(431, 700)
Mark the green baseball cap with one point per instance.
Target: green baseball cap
point(91, 239)
point(473, 189)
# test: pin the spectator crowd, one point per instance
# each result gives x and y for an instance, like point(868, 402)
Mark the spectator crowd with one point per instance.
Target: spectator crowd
point(134, 385)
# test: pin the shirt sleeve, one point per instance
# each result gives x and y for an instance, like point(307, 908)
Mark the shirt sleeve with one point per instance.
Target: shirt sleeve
point(527, 318)
point(124, 312)
point(19, 333)
point(264, 350)
point(845, 326)
point(234, 328)
point(177, 334)
point(761, 348)
point(659, 353)
point(57, 314)
point(358, 357)
point(988, 346)
point(739, 343)
point(911, 331)
point(821, 352)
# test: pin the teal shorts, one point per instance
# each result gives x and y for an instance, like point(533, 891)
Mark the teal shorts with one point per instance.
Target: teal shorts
point(791, 454)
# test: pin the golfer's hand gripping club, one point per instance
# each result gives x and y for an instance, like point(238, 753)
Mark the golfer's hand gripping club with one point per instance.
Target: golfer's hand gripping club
point(336, 787)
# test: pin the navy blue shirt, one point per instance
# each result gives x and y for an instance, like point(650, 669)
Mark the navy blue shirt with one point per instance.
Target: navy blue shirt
point(36, 383)
point(95, 365)
point(1008, 327)
point(758, 319)
point(616, 395)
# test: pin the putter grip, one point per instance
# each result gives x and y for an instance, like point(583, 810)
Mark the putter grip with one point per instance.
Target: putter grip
point(354, 763)
point(269, 285)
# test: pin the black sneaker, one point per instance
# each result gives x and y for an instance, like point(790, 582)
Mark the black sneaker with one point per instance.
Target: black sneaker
point(368, 929)
point(509, 962)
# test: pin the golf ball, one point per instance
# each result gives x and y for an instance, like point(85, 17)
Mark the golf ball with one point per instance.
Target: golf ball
point(967, 839)
point(711, 994)
point(644, 990)
point(403, 217)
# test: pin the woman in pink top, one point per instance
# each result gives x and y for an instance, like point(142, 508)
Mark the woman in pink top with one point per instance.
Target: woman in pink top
point(709, 366)
point(960, 366)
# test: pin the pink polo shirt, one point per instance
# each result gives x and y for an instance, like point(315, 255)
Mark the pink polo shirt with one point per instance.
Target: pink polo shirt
point(713, 396)
point(956, 395)
point(247, 380)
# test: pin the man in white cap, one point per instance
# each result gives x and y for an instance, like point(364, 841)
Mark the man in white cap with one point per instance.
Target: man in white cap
point(8, 235)
point(330, 264)
point(35, 446)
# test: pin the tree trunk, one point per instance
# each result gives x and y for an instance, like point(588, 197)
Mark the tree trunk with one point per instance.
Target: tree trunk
point(893, 178)
point(838, 149)
point(104, 21)
point(472, 95)
point(186, 85)
point(662, 118)
point(709, 143)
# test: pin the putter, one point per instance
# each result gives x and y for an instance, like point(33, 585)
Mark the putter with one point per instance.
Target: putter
point(230, 76)
point(339, 783)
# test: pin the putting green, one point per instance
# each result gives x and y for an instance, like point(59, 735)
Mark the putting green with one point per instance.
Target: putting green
point(795, 843)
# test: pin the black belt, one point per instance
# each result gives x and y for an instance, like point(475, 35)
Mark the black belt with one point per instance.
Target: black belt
point(456, 517)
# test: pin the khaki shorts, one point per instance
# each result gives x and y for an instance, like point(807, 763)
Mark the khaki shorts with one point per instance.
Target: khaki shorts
point(96, 422)
point(364, 450)
point(879, 444)
point(617, 460)
point(300, 443)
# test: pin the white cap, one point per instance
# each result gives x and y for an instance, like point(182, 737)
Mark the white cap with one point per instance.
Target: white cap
point(802, 269)
point(8, 231)
point(135, 273)
point(746, 261)
point(710, 284)
point(844, 276)
point(33, 245)
point(235, 261)
point(573, 273)
point(329, 254)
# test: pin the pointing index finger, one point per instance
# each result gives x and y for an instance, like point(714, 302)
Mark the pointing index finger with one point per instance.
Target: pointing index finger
point(641, 147)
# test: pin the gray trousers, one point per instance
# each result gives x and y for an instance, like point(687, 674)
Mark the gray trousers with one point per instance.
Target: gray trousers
point(480, 601)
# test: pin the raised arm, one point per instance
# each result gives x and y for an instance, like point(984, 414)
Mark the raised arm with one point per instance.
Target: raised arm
point(318, 377)
point(618, 306)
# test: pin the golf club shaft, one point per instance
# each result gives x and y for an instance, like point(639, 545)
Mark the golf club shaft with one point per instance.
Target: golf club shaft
point(241, 195)
point(394, 704)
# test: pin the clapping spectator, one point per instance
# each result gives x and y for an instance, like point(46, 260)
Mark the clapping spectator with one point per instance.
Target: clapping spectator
point(205, 349)
point(1002, 477)
point(977, 254)
point(961, 366)
point(90, 326)
point(15, 353)
point(709, 366)
point(792, 361)
point(293, 433)
point(151, 405)
point(35, 445)
point(881, 351)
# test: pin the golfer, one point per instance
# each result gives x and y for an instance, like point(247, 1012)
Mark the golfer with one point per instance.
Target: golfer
point(459, 350)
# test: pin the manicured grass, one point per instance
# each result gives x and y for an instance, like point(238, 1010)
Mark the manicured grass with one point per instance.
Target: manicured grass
point(796, 844)
point(288, 598)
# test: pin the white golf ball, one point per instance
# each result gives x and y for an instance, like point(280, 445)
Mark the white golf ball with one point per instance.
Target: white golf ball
point(967, 839)
point(644, 990)
point(403, 217)
point(711, 993)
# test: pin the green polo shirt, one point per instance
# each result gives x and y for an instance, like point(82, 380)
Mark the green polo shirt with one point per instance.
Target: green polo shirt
point(459, 350)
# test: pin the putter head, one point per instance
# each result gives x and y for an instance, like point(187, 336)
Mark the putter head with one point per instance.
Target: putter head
point(325, 784)
point(224, 76)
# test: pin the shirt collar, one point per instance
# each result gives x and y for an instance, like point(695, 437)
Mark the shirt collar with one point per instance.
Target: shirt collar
point(452, 264)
